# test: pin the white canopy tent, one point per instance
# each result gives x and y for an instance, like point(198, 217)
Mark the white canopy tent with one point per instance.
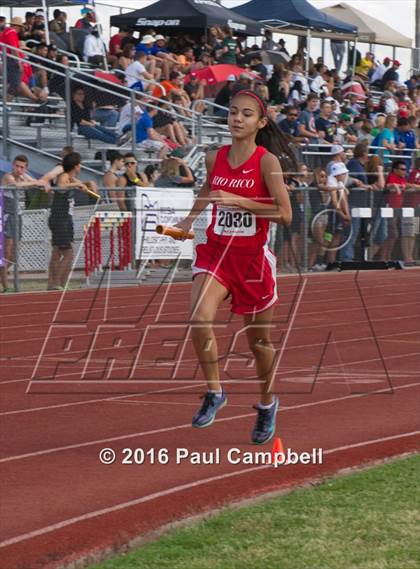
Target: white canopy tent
point(370, 30)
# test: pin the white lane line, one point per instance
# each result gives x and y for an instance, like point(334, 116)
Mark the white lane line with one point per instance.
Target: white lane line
point(188, 425)
point(161, 494)
point(191, 385)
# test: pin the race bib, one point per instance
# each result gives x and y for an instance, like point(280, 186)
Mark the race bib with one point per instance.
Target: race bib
point(231, 221)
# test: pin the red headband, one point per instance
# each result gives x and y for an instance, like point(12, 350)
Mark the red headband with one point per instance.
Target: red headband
point(256, 98)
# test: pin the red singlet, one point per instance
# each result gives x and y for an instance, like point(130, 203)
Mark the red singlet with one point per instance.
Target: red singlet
point(236, 252)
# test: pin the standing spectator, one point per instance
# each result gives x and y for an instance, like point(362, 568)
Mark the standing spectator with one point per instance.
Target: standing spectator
point(391, 74)
point(340, 217)
point(111, 177)
point(395, 186)
point(12, 223)
point(338, 48)
point(307, 127)
point(130, 180)
point(229, 48)
point(359, 197)
point(323, 124)
point(367, 64)
point(410, 225)
point(94, 51)
point(61, 221)
point(375, 176)
point(58, 24)
point(319, 199)
point(88, 20)
point(80, 115)
point(115, 47)
point(268, 43)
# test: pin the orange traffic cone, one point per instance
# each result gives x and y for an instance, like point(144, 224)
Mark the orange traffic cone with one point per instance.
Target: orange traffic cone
point(277, 453)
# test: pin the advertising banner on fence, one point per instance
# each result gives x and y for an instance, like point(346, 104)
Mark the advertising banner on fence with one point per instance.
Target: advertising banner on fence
point(159, 206)
point(1, 230)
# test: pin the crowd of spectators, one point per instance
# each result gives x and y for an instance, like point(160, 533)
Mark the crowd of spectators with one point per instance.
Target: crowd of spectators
point(359, 130)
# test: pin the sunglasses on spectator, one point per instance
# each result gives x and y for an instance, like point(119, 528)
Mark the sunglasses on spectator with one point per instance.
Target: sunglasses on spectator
point(292, 115)
point(402, 168)
point(130, 163)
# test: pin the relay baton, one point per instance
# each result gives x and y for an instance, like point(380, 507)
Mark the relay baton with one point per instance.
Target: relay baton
point(174, 232)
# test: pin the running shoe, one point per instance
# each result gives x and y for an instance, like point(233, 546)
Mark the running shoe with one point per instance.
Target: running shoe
point(265, 425)
point(207, 412)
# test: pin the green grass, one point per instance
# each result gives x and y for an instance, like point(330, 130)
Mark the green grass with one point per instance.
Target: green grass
point(366, 520)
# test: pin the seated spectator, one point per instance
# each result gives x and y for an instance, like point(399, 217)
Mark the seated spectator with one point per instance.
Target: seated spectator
point(111, 177)
point(94, 51)
point(307, 126)
point(323, 124)
point(38, 27)
point(60, 221)
point(391, 74)
point(195, 90)
point(395, 187)
point(276, 96)
point(405, 139)
point(297, 95)
point(12, 223)
point(165, 123)
point(319, 85)
point(367, 64)
point(257, 65)
point(185, 60)
point(344, 133)
point(356, 86)
point(174, 84)
point(290, 125)
point(379, 72)
point(338, 155)
point(130, 180)
point(40, 75)
point(390, 103)
point(15, 67)
point(137, 74)
point(146, 136)
point(223, 97)
point(58, 23)
point(80, 115)
point(152, 173)
point(365, 134)
point(127, 56)
point(174, 172)
point(26, 31)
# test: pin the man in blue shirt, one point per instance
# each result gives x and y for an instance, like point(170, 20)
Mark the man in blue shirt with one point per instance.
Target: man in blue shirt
point(406, 138)
point(147, 138)
point(290, 125)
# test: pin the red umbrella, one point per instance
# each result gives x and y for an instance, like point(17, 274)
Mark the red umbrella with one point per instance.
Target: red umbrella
point(218, 73)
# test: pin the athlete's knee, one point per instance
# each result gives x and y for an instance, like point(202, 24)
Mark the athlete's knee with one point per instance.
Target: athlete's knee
point(260, 345)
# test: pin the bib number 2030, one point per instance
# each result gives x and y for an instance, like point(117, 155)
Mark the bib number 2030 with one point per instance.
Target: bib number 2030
point(233, 221)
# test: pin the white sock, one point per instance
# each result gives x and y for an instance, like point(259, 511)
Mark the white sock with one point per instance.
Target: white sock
point(217, 392)
point(261, 406)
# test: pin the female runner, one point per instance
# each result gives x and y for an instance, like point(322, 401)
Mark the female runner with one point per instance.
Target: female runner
point(245, 185)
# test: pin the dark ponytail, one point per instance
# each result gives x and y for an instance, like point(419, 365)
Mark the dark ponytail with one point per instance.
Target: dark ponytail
point(278, 143)
point(273, 138)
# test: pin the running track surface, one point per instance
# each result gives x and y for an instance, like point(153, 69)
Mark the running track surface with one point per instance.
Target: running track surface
point(86, 370)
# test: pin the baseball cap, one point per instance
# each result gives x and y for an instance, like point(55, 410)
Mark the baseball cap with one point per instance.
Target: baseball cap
point(336, 149)
point(358, 118)
point(244, 76)
point(148, 39)
point(159, 37)
point(345, 117)
point(193, 75)
point(231, 77)
point(338, 168)
point(396, 62)
point(387, 60)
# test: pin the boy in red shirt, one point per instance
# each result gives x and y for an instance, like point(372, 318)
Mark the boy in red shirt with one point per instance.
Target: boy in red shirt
point(410, 225)
point(395, 187)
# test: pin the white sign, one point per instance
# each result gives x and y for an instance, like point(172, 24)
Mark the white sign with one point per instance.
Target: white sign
point(161, 206)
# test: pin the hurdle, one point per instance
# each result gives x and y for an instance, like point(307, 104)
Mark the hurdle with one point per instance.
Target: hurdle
point(367, 215)
point(117, 226)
